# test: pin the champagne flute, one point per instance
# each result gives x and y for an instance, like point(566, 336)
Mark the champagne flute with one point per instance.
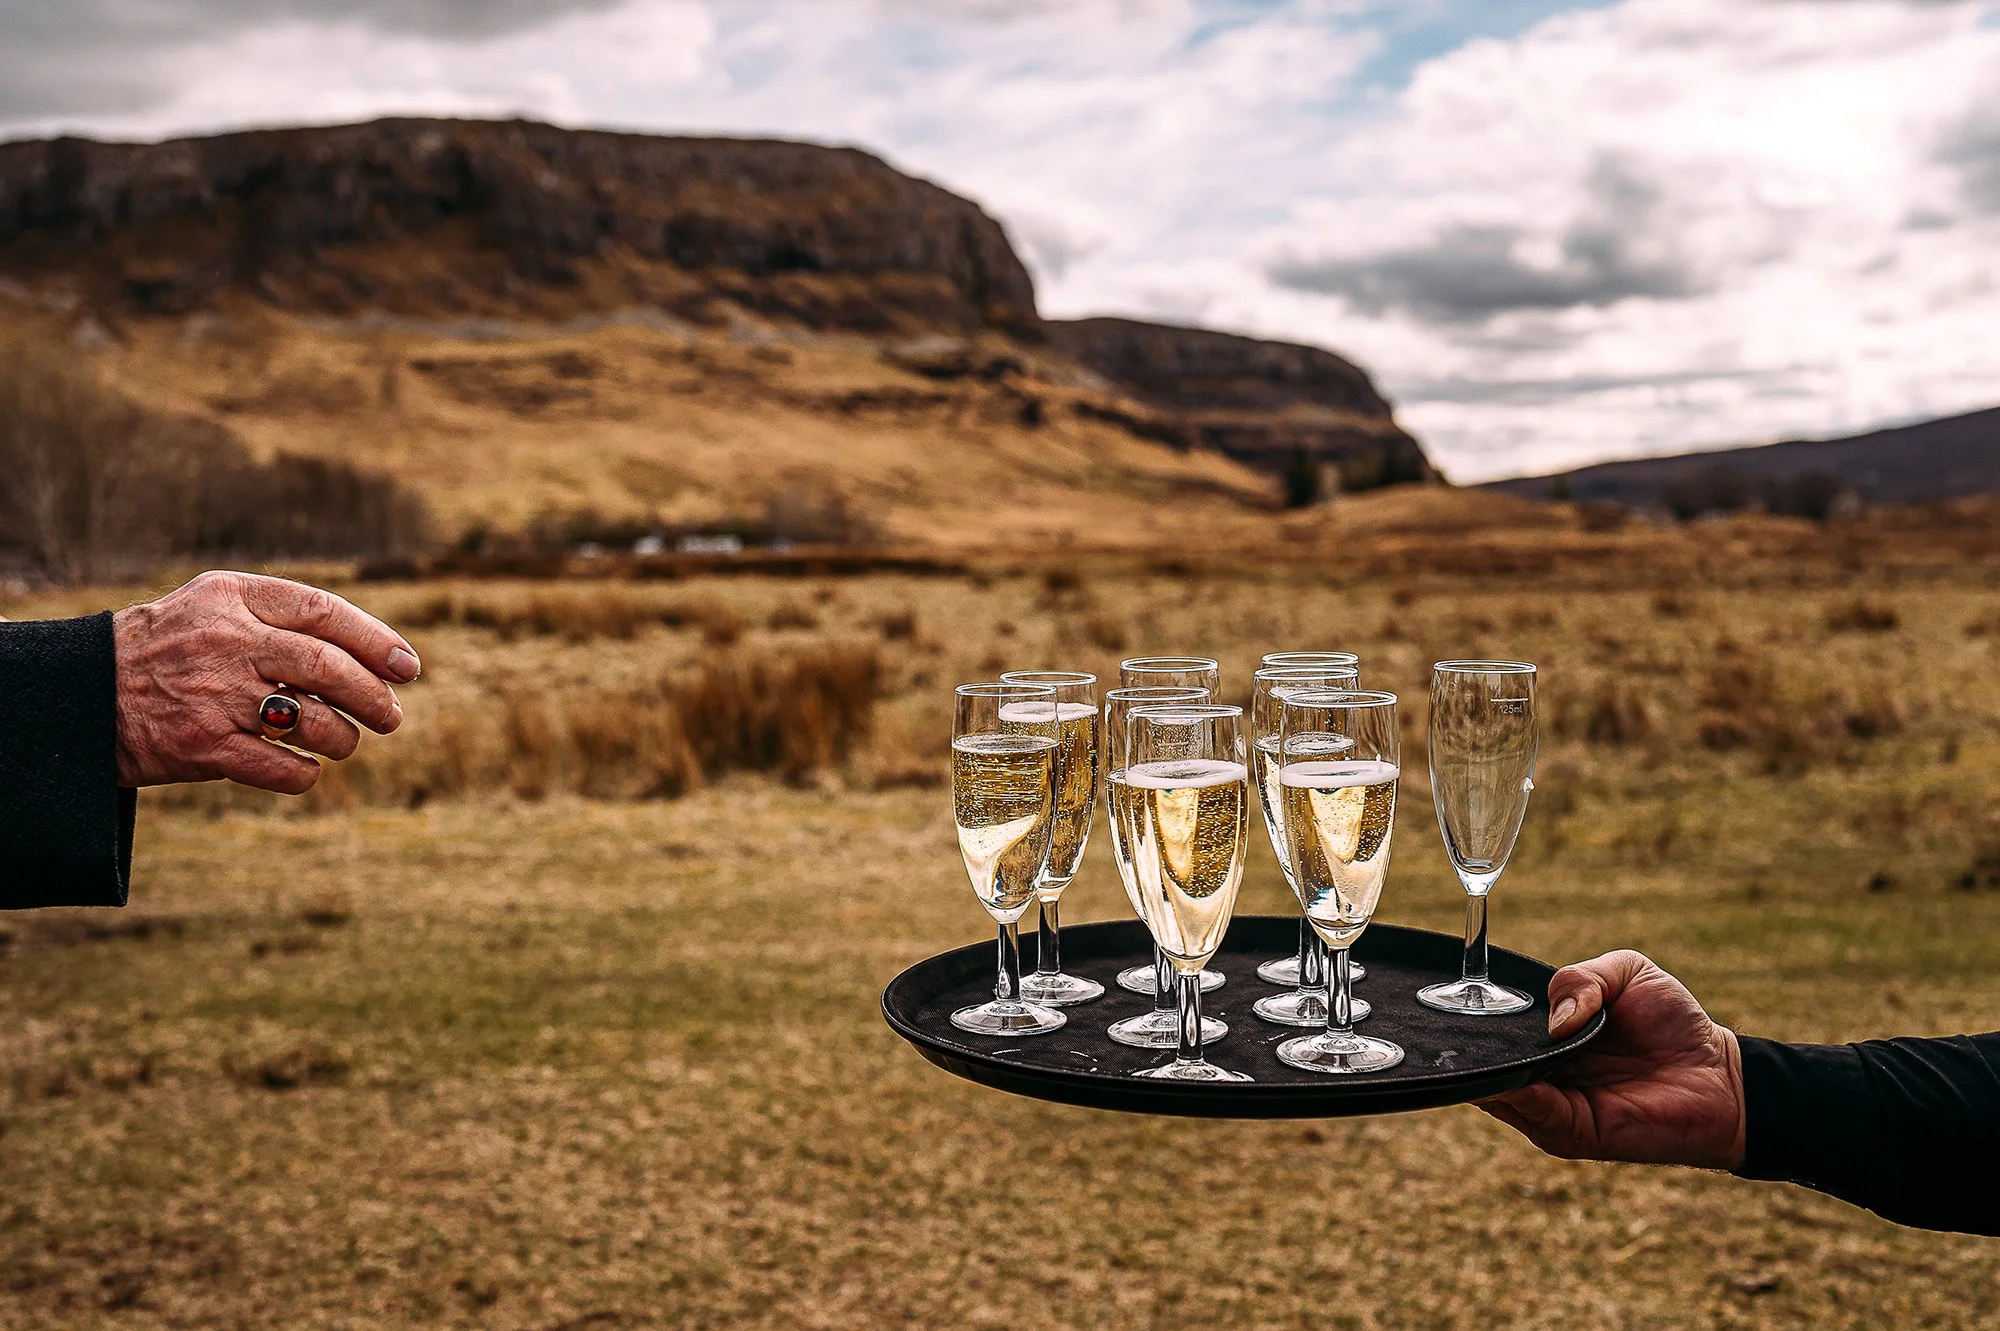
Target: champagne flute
point(1003, 777)
point(1482, 769)
point(1160, 1028)
point(1306, 1004)
point(1311, 659)
point(1339, 761)
point(1290, 970)
point(1193, 672)
point(1076, 804)
point(1187, 817)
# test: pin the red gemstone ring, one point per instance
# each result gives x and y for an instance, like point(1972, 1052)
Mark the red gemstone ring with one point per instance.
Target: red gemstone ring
point(279, 715)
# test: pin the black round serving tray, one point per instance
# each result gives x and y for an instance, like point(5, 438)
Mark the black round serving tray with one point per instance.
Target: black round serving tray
point(1450, 1059)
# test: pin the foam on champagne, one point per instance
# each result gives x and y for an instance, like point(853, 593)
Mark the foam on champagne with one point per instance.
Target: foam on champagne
point(1185, 773)
point(1339, 775)
point(1037, 713)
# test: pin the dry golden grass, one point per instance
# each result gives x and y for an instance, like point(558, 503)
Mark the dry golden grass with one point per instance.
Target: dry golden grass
point(629, 419)
point(535, 1060)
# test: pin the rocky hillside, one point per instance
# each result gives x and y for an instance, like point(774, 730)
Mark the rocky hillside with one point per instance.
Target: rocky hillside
point(1254, 400)
point(511, 217)
point(695, 319)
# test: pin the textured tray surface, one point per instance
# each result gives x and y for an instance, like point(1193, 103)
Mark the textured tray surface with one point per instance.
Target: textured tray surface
point(1450, 1059)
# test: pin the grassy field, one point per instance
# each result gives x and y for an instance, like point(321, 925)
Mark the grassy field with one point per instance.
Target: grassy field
point(469, 1048)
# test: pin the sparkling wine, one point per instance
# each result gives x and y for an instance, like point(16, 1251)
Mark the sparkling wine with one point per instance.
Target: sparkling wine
point(1120, 802)
point(1264, 758)
point(1339, 815)
point(1076, 789)
point(1187, 822)
point(1001, 787)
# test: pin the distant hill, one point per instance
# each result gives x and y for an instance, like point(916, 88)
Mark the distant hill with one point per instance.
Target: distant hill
point(332, 288)
point(1949, 458)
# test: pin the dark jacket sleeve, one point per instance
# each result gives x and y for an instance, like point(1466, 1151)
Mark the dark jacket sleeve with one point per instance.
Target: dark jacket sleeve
point(65, 825)
point(1909, 1129)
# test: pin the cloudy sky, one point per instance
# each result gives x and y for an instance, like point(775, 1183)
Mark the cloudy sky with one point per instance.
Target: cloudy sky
point(1555, 232)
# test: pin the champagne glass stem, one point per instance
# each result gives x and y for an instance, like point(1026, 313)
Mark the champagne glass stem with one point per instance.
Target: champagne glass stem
point(1475, 936)
point(1048, 939)
point(1340, 1012)
point(1008, 990)
point(1188, 988)
point(1312, 961)
point(1306, 940)
point(1164, 982)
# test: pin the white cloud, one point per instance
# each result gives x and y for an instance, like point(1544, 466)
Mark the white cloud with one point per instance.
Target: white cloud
point(1756, 277)
point(1625, 229)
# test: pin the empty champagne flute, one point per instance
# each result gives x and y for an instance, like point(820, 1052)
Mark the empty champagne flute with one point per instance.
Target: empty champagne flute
point(1003, 777)
point(1076, 805)
point(1194, 672)
point(1339, 762)
point(1306, 1004)
point(1160, 1028)
point(1187, 812)
point(1482, 769)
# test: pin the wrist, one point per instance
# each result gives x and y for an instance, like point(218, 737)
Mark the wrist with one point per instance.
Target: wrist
point(128, 630)
point(1732, 1070)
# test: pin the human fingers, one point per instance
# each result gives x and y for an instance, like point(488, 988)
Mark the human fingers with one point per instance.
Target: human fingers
point(1542, 1114)
point(251, 761)
point(323, 731)
point(284, 604)
point(314, 665)
point(1577, 992)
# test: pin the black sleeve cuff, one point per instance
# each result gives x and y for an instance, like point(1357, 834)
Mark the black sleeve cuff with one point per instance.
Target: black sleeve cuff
point(65, 826)
point(1801, 1108)
point(1908, 1128)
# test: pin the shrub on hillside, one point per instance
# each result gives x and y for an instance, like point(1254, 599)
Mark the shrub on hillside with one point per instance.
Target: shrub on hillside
point(92, 485)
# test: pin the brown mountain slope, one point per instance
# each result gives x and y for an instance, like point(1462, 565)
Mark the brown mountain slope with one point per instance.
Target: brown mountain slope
point(1949, 458)
point(517, 318)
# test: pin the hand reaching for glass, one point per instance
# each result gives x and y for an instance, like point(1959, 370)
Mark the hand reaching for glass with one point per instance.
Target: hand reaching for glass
point(1661, 1084)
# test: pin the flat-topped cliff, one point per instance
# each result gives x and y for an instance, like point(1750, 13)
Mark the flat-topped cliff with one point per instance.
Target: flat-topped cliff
point(471, 230)
point(514, 215)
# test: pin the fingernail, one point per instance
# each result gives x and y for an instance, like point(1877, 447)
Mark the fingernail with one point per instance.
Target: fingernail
point(403, 665)
point(1561, 1014)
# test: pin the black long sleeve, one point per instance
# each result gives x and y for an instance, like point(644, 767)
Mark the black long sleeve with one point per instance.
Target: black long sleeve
point(65, 825)
point(1909, 1129)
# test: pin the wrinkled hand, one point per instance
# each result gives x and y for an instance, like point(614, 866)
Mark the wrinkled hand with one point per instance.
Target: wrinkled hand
point(1661, 1084)
point(194, 665)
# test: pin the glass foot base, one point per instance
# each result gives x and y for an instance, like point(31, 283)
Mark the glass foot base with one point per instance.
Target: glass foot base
point(1340, 1054)
point(1161, 1030)
point(1191, 1070)
point(1059, 990)
point(998, 1018)
point(1139, 979)
point(1303, 1007)
point(1285, 971)
point(1481, 998)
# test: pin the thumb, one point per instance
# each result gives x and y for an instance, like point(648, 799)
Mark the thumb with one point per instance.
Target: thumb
point(1578, 992)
